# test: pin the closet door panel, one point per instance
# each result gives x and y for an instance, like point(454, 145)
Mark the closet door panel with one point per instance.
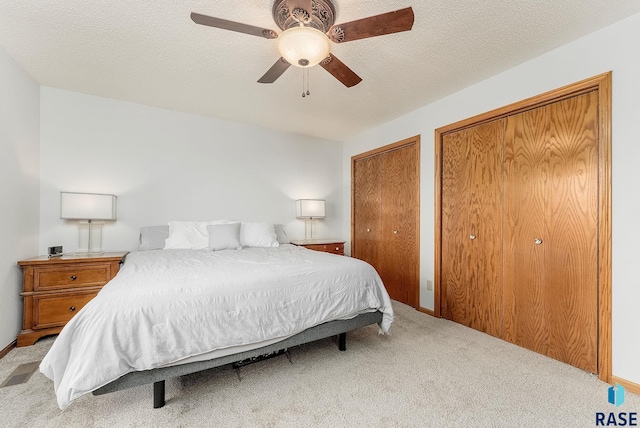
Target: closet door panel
point(471, 271)
point(367, 205)
point(484, 175)
point(399, 263)
point(456, 249)
point(571, 247)
point(526, 311)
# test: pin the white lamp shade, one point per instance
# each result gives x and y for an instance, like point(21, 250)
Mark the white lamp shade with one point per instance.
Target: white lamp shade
point(310, 208)
point(303, 46)
point(87, 206)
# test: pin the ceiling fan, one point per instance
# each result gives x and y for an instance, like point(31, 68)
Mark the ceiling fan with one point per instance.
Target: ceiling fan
point(308, 31)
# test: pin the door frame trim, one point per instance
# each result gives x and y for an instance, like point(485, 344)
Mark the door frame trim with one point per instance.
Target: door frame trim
point(378, 151)
point(602, 84)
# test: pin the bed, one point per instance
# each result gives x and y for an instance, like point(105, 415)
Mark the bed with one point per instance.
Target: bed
point(174, 311)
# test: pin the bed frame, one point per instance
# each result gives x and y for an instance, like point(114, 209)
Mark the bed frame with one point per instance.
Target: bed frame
point(157, 376)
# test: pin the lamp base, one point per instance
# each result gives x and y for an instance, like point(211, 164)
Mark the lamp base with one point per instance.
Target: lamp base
point(310, 229)
point(89, 238)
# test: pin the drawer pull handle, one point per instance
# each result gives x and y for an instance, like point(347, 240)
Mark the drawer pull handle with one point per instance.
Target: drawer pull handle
point(395, 232)
point(73, 277)
point(368, 230)
point(72, 309)
point(337, 248)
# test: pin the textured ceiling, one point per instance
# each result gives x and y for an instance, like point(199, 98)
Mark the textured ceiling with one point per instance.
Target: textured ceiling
point(150, 52)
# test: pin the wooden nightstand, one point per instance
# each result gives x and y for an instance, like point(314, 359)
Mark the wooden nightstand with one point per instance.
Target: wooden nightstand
point(333, 246)
point(54, 289)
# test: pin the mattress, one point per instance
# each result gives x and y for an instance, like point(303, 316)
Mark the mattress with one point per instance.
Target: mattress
point(167, 307)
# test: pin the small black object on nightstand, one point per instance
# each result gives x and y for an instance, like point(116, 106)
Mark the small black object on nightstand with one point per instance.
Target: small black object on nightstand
point(55, 251)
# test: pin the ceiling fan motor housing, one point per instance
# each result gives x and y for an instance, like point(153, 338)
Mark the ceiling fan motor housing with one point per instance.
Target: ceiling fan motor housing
point(321, 17)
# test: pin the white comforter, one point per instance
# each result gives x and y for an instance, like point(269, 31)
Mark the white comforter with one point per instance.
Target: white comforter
point(165, 306)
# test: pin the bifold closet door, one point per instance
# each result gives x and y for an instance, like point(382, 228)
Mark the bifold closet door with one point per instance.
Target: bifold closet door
point(525, 179)
point(386, 216)
point(367, 205)
point(471, 268)
point(551, 230)
point(399, 262)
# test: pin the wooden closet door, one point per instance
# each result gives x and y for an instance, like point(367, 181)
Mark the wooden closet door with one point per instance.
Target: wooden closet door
point(551, 241)
point(367, 205)
point(526, 310)
point(400, 204)
point(471, 271)
point(456, 249)
point(571, 246)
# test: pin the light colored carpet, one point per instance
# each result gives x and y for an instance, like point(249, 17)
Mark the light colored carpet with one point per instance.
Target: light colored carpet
point(427, 373)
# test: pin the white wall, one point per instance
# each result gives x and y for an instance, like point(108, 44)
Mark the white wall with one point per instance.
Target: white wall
point(19, 175)
point(165, 165)
point(613, 48)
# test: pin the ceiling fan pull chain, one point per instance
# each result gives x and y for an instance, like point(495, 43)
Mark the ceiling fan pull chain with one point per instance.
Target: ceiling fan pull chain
point(303, 94)
point(305, 86)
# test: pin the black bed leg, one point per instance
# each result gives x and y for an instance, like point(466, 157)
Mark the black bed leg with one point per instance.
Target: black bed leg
point(158, 394)
point(342, 341)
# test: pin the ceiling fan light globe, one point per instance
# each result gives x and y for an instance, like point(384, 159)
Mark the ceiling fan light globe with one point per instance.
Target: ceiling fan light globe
point(303, 46)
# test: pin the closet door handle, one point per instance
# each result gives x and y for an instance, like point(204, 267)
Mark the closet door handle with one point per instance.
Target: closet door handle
point(537, 241)
point(368, 230)
point(472, 237)
point(395, 232)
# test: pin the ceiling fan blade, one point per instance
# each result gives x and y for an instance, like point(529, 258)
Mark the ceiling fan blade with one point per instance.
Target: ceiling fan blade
point(275, 71)
point(224, 24)
point(340, 71)
point(378, 25)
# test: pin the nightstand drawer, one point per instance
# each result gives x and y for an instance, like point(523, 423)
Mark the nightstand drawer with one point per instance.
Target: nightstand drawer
point(47, 278)
point(327, 248)
point(57, 309)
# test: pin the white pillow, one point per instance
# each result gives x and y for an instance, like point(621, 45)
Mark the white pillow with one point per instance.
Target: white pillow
point(224, 236)
point(153, 237)
point(190, 235)
point(281, 234)
point(258, 234)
